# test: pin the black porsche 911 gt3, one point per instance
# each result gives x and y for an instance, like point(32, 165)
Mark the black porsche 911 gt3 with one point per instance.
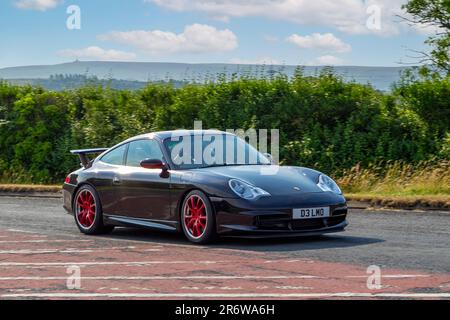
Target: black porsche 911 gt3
point(174, 181)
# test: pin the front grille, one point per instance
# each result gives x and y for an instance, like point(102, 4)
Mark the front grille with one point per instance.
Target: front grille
point(333, 221)
point(309, 224)
point(274, 221)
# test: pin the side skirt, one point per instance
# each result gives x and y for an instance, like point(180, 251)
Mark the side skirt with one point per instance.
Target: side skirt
point(171, 226)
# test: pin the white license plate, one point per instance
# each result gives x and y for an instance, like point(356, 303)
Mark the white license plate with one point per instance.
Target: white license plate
point(311, 213)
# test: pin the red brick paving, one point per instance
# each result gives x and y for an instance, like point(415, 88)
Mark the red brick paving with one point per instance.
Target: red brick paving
point(33, 264)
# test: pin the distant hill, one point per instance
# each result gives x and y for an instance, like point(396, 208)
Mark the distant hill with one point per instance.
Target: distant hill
point(380, 77)
point(72, 81)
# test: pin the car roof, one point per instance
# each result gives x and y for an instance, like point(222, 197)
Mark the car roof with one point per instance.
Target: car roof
point(162, 135)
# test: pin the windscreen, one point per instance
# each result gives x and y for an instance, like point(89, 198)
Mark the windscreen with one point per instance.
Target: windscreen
point(209, 150)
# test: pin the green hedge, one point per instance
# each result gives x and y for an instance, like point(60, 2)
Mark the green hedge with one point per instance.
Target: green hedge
point(324, 122)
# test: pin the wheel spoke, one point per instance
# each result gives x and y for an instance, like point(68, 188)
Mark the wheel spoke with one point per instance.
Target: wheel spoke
point(90, 219)
point(196, 231)
point(199, 203)
point(190, 223)
point(81, 217)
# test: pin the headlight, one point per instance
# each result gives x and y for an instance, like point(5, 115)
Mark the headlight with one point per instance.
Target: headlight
point(247, 191)
point(327, 184)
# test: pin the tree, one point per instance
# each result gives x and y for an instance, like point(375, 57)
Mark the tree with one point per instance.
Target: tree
point(433, 13)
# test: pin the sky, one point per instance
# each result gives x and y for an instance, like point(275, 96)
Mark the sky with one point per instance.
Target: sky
point(292, 32)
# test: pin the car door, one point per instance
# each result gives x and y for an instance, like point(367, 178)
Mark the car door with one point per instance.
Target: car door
point(107, 170)
point(145, 193)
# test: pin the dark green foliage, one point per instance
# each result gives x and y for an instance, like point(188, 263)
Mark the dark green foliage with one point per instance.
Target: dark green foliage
point(324, 122)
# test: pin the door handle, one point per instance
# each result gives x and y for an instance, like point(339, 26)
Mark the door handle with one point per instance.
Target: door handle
point(116, 180)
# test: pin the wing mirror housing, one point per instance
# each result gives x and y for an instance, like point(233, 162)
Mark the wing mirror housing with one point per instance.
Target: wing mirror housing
point(152, 164)
point(156, 164)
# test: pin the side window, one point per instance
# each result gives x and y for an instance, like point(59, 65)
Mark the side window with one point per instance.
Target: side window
point(115, 156)
point(141, 150)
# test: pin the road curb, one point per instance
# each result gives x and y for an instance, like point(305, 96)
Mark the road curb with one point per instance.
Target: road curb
point(29, 194)
point(392, 203)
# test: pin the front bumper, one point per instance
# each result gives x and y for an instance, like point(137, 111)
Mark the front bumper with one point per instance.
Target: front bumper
point(237, 217)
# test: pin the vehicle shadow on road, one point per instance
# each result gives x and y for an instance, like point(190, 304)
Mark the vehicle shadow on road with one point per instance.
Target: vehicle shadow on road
point(260, 245)
point(296, 244)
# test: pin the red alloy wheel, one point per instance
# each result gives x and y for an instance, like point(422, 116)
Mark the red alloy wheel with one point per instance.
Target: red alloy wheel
point(86, 209)
point(195, 218)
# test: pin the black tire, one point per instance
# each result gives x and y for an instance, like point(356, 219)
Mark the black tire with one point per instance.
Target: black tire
point(86, 223)
point(208, 233)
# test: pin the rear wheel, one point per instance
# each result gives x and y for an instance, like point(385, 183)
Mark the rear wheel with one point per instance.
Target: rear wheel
point(88, 212)
point(197, 218)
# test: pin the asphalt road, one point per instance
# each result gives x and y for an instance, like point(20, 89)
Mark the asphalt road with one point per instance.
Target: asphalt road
point(411, 248)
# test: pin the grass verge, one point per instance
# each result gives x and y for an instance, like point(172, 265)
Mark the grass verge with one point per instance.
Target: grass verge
point(427, 178)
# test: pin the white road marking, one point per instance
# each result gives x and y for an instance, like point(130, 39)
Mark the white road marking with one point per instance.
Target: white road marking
point(103, 263)
point(288, 261)
point(22, 231)
point(143, 289)
point(43, 241)
point(228, 295)
point(68, 250)
point(211, 288)
point(164, 278)
point(293, 288)
point(396, 276)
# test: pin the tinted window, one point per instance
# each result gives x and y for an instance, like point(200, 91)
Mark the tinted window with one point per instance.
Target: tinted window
point(115, 156)
point(141, 150)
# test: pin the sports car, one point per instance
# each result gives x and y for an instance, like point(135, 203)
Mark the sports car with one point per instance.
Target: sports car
point(178, 181)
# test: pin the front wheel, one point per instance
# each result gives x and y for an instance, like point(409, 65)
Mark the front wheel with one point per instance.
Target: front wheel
point(88, 212)
point(197, 218)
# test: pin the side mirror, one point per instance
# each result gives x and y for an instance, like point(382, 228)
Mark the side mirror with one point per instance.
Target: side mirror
point(269, 157)
point(152, 164)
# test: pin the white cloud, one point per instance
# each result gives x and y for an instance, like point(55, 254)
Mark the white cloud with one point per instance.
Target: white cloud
point(327, 60)
point(261, 60)
point(41, 5)
point(196, 38)
point(326, 41)
point(348, 16)
point(97, 53)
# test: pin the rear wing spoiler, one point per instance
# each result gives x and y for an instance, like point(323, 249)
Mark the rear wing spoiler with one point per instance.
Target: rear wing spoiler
point(85, 161)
